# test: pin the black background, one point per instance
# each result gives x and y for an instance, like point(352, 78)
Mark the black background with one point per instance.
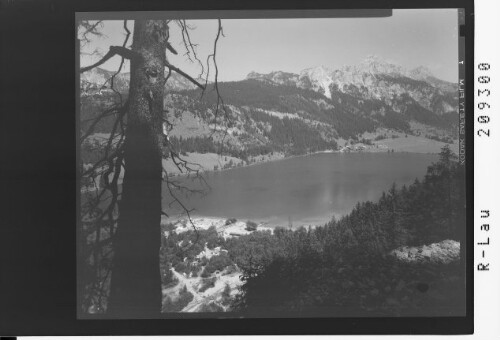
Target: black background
point(38, 179)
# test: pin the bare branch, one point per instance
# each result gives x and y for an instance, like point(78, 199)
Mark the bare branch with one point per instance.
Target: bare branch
point(184, 74)
point(171, 49)
point(168, 76)
point(189, 45)
point(113, 50)
point(185, 209)
point(112, 79)
point(111, 111)
point(89, 29)
point(220, 101)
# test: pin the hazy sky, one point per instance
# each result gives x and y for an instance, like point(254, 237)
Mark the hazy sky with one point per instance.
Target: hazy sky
point(410, 38)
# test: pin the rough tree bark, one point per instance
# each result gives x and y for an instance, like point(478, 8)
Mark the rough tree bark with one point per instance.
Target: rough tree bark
point(135, 282)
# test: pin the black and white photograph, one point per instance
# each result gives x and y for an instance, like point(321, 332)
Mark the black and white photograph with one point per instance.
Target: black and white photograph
point(237, 165)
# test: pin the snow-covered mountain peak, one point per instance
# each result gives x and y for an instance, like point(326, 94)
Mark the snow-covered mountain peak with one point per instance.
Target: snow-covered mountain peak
point(372, 79)
point(375, 65)
point(320, 78)
point(278, 77)
point(420, 73)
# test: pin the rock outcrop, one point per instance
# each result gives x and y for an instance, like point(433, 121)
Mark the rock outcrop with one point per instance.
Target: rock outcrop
point(443, 252)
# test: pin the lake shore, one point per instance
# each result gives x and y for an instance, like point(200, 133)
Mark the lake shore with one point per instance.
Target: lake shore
point(226, 227)
point(212, 162)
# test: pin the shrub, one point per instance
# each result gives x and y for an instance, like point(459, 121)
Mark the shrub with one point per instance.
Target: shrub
point(168, 279)
point(226, 295)
point(227, 291)
point(193, 269)
point(203, 261)
point(231, 269)
point(230, 221)
point(216, 263)
point(210, 307)
point(174, 260)
point(212, 238)
point(207, 283)
point(251, 226)
point(168, 227)
point(205, 273)
point(366, 141)
point(181, 267)
point(185, 297)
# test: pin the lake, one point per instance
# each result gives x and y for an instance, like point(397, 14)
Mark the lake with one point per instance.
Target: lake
point(304, 190)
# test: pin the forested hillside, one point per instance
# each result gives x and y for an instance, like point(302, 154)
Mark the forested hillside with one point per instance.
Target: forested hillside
point(318, 109)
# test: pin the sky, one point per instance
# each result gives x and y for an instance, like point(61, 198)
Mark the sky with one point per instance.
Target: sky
point(410, 38)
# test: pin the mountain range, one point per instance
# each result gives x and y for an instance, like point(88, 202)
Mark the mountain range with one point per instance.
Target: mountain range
point(373, 79)
point(295, 113)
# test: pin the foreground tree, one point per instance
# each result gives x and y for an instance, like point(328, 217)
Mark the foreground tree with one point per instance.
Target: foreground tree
point(135, 289)
point(135, 283)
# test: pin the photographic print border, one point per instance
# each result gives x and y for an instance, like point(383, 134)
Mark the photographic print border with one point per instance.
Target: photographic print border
point(52, 249)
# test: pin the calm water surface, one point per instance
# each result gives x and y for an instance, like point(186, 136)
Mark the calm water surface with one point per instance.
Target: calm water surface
point(306, 190)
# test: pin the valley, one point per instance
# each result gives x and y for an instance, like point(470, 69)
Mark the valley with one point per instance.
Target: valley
point(375, 106)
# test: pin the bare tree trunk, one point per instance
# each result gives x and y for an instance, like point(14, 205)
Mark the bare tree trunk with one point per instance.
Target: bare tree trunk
point(135, 283)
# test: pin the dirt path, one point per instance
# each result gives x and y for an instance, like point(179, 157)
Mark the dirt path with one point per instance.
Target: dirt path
point(197, 301)
point(210, 295)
